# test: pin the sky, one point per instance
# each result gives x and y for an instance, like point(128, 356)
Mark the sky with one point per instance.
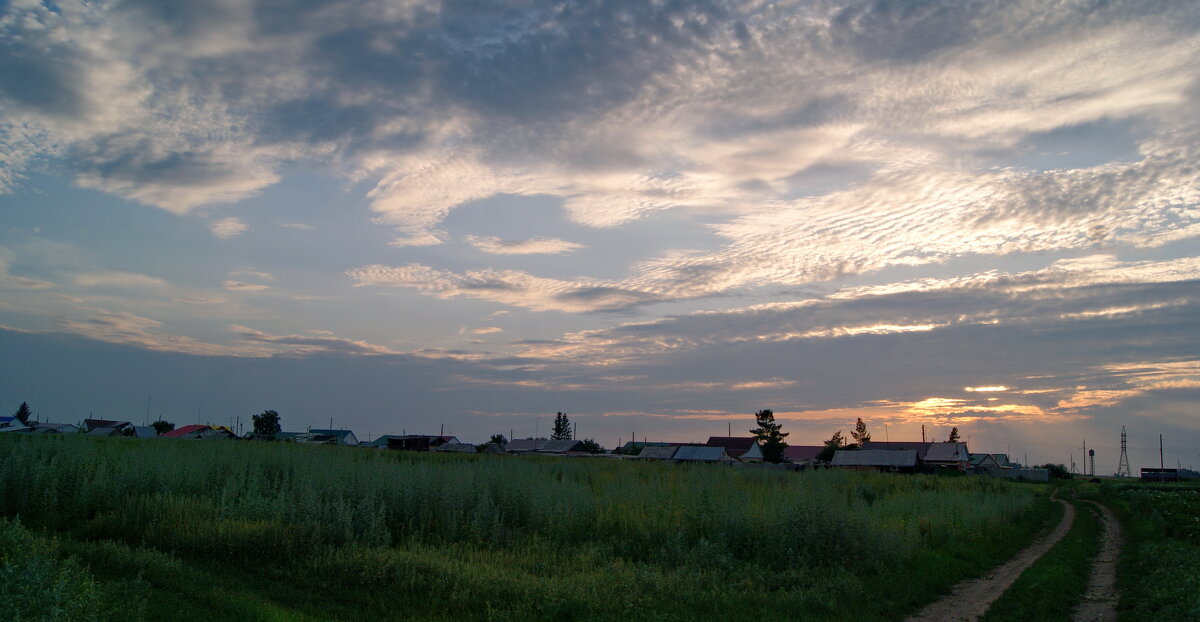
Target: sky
point(658, 217)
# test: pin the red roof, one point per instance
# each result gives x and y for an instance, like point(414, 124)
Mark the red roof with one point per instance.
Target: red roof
point(187, 429)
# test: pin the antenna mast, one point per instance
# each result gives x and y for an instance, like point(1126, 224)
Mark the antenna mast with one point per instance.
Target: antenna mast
point(1123, 465)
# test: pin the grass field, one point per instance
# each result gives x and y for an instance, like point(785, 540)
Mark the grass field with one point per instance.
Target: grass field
point(160, 529)
point(1159, 571)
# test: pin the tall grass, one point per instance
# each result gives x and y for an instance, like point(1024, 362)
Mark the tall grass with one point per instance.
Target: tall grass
point(507, 536)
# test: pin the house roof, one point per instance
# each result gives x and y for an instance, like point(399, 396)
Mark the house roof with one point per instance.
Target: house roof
point(916, 446)
point(560, 446)
point(338, 434)
point(144, 431)
point(1002, 459)
point(802, 453)
point(947, 452)
point(875, 457)
point(735, 446)
point(702, 453)
point(978, 459)
point(92, 424)
point(187, 429)
point(526, 444)
point(658, 452)
point(16, 428)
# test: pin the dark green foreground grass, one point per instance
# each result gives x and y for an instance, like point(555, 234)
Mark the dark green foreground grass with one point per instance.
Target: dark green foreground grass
point(1051, 588)
point(161, 530)
point(1159, 571)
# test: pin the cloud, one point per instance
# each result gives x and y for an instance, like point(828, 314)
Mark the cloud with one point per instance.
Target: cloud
point(226, 228)
point(9, 280)
point(299, 226)
point(487, 330)
point(320, 341)
point(532, 246)
point(121, 280)
point(239, 286)
point(126, 328)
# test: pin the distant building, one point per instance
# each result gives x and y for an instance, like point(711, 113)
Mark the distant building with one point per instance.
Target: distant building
point(458, 448)
point(800, 454)
point(704, 453)
point(947, 456)
point(893, 460)
point(744, 448)
point(917, 446)
point(55, 428)
point(200, 431)
point(107, 427)
point(341, 437)
point(658, 453)
point(1160, 475)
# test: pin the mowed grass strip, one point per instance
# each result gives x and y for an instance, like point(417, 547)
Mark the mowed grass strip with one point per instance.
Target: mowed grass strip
point(1052, 587)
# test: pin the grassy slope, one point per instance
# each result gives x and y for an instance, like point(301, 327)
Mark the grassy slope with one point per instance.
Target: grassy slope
point(252, 532)
point(1051, 588)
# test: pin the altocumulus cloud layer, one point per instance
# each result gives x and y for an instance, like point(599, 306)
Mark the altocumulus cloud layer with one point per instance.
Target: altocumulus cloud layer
point(900, 199)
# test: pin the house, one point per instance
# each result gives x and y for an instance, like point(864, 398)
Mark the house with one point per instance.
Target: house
point(665, 452)
point(342, 437)
point(800, 454)
point(892, 460)
point(8, 422)
point(144, 431)
point(984, 462)
point(458, 448)
point(562, 446)
point(16, 429)
point(919, 447)
point(947, 456)
point(525, 445)
point(744, 448)
point(702, 453)
point(55, 428)
point(107, 427)
point(201, 431)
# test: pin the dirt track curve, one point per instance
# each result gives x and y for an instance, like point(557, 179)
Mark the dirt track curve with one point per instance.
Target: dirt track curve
point(971, 598)
point(1100, 602)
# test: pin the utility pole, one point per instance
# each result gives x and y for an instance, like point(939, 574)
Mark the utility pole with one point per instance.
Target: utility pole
point(1160, 452)
point(147, 421)
point(922, 432)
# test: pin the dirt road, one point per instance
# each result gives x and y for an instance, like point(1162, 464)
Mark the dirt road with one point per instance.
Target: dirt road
point(1100, 601)
point(970, 599)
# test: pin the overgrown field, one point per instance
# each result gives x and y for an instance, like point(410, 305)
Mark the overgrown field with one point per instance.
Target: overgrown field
point(1159, 573)
point(160, 529)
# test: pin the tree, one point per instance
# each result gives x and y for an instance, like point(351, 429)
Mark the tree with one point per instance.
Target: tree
point(1057, 471)
point(769, 435)
point(954, 437)
point(860, 433)
point(499, 439)
point(267, 423)
point(836, 442)
point(23, 413)
point(591, 446)
point(161, 426)
point(562, 428)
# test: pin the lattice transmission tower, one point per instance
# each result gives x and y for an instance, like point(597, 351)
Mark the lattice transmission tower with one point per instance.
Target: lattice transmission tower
point(1123, 465)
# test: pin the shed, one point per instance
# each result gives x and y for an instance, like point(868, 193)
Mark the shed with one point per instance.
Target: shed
point(525, 445)
point(561, 446)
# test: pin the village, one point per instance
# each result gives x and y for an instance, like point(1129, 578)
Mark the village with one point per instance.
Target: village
point(737, 451)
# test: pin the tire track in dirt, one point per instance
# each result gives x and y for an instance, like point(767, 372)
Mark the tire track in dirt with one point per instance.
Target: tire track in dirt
point(970, 599)
point(1099, 604)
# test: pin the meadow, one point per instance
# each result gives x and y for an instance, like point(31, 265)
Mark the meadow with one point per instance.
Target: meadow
point(160, 529)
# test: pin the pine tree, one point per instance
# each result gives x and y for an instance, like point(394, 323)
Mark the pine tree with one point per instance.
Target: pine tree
point(23, 413)
point(161, 427)
point(562, 428)
point(954, 438)
point(836, 442)
point(860, 433)
point(769, 435)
